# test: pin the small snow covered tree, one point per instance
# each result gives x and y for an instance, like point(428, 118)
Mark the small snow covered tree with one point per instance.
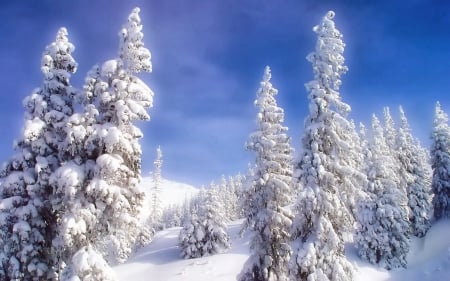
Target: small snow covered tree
point(232, 199)
point(191, 235)
point(27, 217)
point(382, 234)
point(414, 170)
point(440, 162)
point(268, 191)
point(204, 232)
point(326, 174)
point(216, 239)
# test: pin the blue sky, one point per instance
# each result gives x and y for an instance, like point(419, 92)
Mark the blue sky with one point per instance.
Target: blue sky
point(208, 60)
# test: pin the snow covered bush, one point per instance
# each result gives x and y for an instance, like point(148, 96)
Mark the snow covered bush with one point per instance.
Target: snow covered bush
point(87, 265)
point(382, 234)
point(327, 173)
point(440, 162)
point(27, 215)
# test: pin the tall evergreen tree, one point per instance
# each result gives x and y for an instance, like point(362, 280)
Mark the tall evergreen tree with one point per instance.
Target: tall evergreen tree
point(269, 190)
point(382, 234)
point(440, 162)
point(121, 99)
point(415, 172)
point(156, 204)
point(325, 173)
point(391, 138)
point(27, 217)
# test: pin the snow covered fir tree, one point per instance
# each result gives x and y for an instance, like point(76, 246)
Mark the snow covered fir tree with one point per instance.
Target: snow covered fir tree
point(415, 171)
point(27, 217)
point(204, 231)
point(268, 190)
point(324, 173)
point(440, 161)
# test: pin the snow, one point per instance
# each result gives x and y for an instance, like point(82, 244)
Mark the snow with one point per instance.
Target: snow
point(161, 261)
point(171, 192)
point(429, 257)
point(109, 68)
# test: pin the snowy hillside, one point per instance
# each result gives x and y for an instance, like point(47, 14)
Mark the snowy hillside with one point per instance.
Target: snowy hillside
point(171, 192)
point(429, 259)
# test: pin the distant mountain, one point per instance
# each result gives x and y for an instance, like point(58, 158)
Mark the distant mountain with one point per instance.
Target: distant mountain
point(171, 192)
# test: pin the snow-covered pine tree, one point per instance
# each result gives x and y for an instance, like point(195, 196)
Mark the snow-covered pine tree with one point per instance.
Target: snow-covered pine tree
point(121, 99)
point(99, 184)
point(414, 170)
point(204, 231)
point(325, 174)
point(216, 238)
point(382, 234)
point(232, 199)
point(391, 136)
point(440, 162)
point(269, 190)
point(191, 235)
point(27, 219)
point(156, 204)
point(238, 182)
point(223, 196)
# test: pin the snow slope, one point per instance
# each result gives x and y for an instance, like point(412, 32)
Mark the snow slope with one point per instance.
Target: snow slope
point(171, 192)
point(428, 260)
point(160, 260)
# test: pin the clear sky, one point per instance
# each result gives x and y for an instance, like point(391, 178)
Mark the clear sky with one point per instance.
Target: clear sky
point(209, 57)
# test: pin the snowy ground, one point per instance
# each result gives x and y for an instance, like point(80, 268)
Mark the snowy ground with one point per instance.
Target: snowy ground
point(160, 261)
point(429, 258)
